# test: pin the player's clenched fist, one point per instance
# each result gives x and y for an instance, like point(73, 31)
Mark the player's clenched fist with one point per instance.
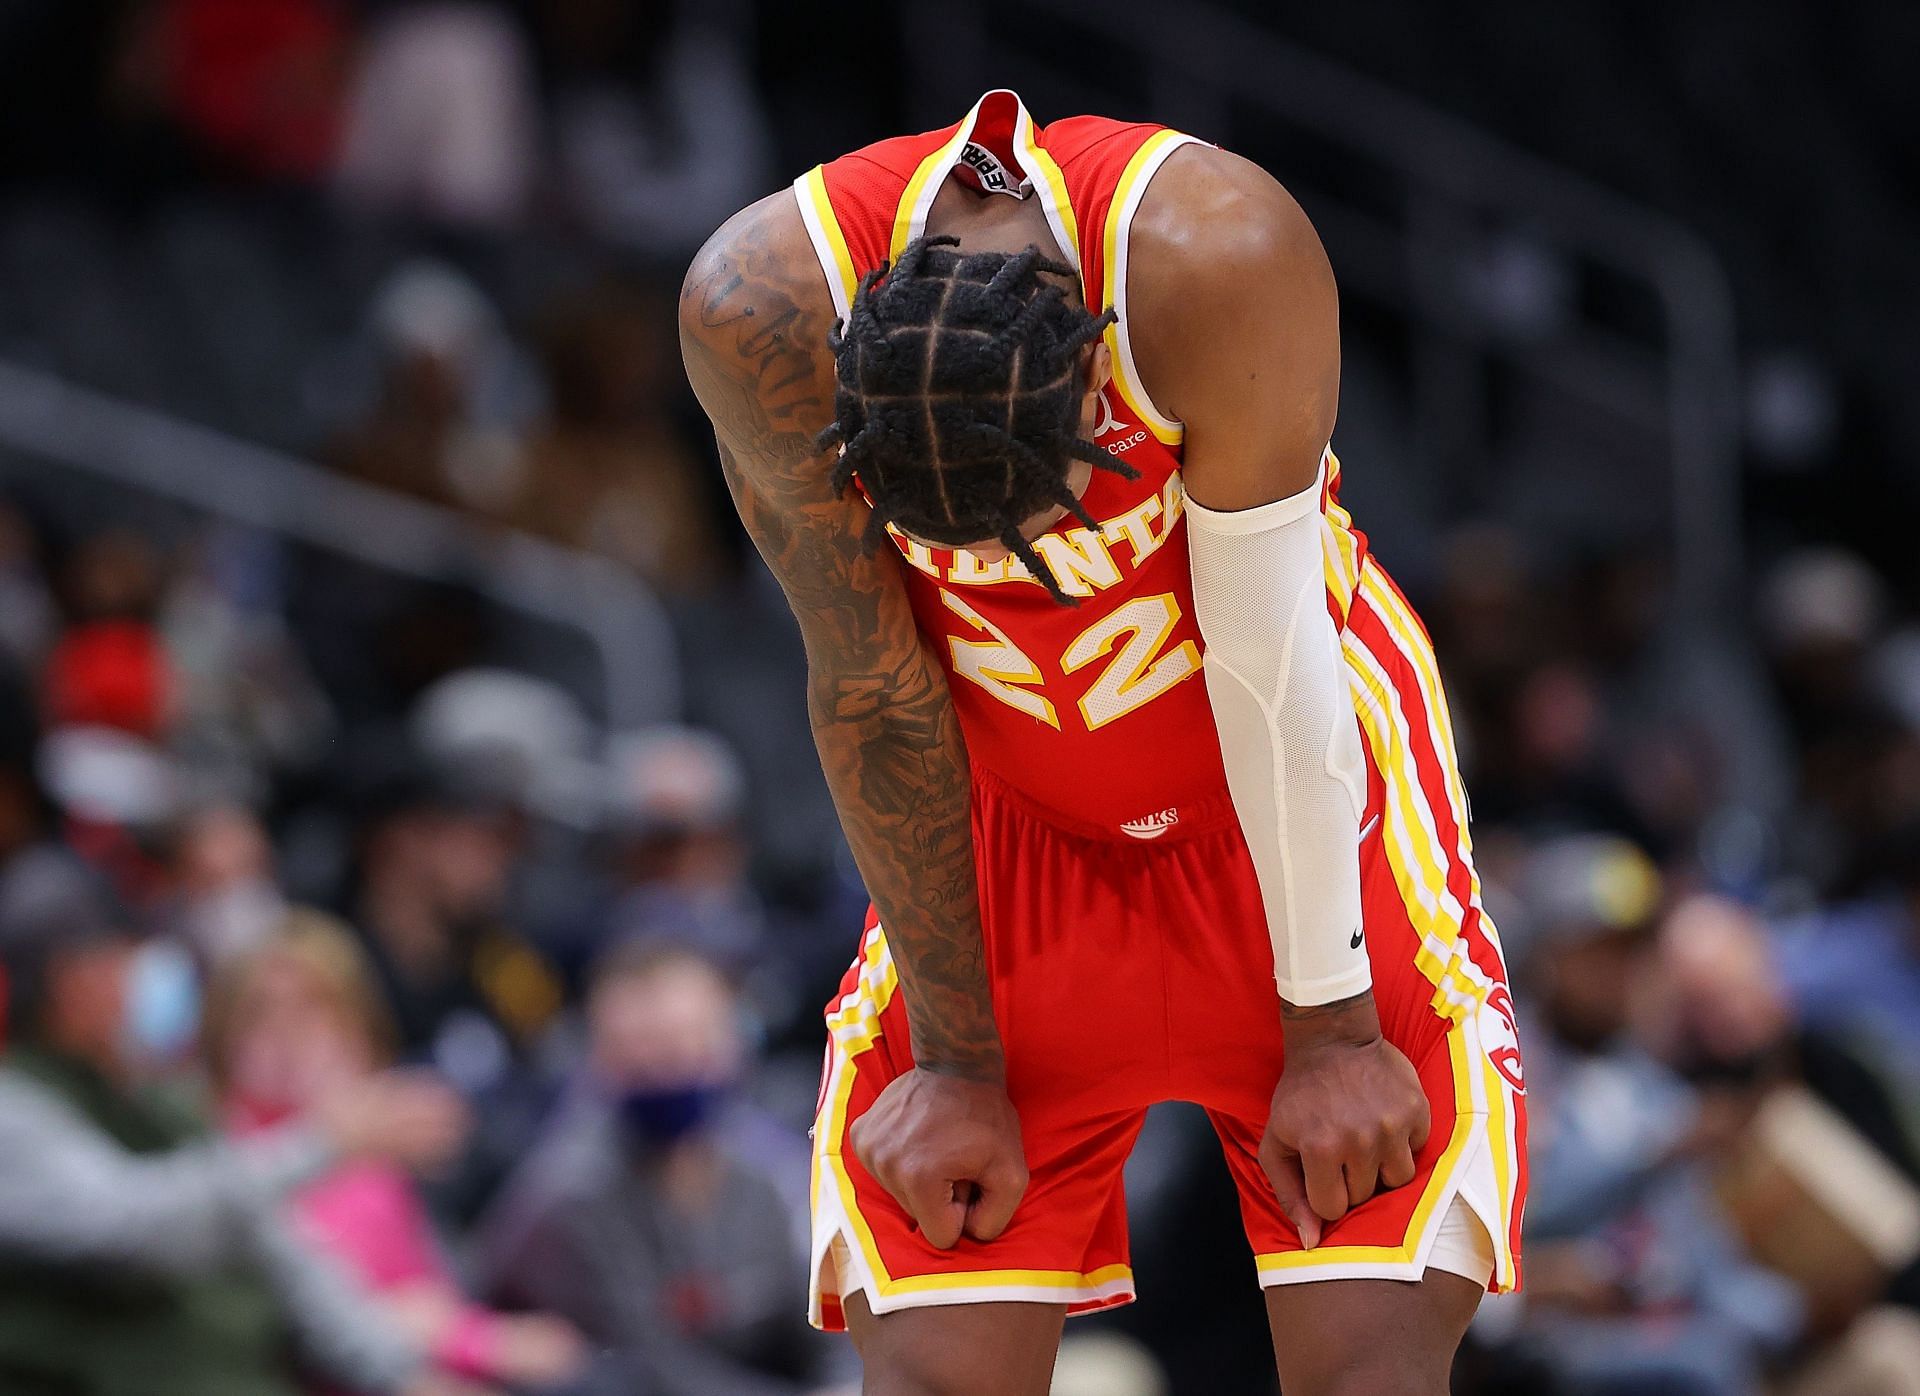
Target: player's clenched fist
point(1348, 1116)
point(948, 1150)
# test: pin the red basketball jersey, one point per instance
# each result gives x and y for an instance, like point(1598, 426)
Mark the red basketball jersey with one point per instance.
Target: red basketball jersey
point(1096, 712)
point(1114, 970)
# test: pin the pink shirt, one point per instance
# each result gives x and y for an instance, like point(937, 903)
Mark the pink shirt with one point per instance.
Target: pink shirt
point(367, 1213)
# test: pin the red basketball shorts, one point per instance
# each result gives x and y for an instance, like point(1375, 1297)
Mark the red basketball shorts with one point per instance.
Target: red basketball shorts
point(1126, 973)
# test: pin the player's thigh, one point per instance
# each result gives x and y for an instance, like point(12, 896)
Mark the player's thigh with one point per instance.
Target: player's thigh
point(957, 1349)
point(1370, 1337)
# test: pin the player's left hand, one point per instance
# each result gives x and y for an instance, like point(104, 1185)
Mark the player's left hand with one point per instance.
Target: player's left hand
point(1347, 1119)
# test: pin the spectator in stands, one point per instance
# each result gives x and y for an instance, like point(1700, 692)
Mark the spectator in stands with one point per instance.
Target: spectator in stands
point(1853, 969)
point(612, 470)
point(469, 994)
point(1581, 945)
point(138, 1255)
point(117, 796)
point(247, 707)
point(437, 849)
point(526, 736)
point(107, 701)
point(1635, 1281)
point(676, 799)
point(225, 898)
point(297, 1017)
point(108, 667)
point(658, 128)
point(1820, 612)
point(443, 423)
point(253, 86)
point(1723, 1015)
point(644, 1217)
point(441, 120)
point(1547, 767)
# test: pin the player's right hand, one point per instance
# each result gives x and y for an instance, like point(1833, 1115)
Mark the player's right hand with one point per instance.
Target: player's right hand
point(948, 1150)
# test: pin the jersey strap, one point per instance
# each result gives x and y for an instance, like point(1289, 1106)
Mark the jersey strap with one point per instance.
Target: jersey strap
point(1107, 166)
point(864, 208)
point(1089, 174)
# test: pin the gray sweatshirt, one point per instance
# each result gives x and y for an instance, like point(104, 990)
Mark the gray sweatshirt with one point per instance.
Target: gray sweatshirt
point(70, 1194)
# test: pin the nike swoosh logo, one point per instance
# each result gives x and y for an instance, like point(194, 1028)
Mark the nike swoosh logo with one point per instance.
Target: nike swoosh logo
point(1365, 829)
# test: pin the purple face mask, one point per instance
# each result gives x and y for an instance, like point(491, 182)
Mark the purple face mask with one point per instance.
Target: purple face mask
point(658, 1116)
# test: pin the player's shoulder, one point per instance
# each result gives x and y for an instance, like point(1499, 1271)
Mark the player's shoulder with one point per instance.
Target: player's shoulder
point(760, 258)
point(755, 314)
point(755, 297)
point(1212, 215)
point(1223, 267)
point(1227, 283)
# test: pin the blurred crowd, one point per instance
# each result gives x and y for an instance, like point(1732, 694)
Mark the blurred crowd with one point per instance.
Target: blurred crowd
point(380, 1018)
point(407, 1060)
point(467, 1046)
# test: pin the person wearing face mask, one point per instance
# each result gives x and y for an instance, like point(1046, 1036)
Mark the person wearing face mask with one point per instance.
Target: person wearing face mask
point(140, 1255)
point(648, 1216)
point(1636, 1281)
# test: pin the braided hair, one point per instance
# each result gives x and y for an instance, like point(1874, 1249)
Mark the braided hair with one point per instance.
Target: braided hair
point(958, 397)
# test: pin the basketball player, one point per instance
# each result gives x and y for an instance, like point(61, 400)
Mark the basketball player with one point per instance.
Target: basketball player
point(1143, 758)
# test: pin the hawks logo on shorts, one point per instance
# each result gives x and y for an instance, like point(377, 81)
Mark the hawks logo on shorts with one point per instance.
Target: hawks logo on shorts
point(1151, 826)
point(1501, 1037)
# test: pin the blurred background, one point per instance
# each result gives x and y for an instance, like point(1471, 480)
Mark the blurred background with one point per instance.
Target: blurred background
point(417, 890)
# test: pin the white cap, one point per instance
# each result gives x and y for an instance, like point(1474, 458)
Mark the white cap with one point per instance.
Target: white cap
point(428, 307)
point(108, 776)
point(673, 777)
point(529, 731)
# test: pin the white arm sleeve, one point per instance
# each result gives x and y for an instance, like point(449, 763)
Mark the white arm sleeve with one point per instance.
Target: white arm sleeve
point(1278, 685)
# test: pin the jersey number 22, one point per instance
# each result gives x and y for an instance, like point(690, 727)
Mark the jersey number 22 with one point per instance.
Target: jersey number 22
point(1136, 675)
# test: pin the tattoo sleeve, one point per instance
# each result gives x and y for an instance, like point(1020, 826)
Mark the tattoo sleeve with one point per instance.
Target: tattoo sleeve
point(754, 316)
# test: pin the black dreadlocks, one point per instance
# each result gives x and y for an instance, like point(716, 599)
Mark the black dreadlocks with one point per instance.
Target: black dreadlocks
point(958, 397)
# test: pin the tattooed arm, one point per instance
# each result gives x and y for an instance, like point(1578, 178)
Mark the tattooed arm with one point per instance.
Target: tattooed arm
point(943, 1138)
point(754, 316)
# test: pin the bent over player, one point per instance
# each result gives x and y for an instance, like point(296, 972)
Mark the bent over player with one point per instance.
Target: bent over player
point(1127, 729)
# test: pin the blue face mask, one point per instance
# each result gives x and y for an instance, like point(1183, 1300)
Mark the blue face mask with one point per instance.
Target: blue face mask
point(656, 1116)
point(162, 1004)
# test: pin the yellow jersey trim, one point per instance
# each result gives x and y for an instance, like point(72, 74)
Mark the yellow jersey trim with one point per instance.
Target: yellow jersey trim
point(1439, 1186)
point(910, 218)
point(1127, 195)
point(854, 1026)
point(1051, 185)
point(829, 243)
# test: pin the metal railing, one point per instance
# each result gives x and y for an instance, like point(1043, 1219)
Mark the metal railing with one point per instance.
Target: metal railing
point(623, 623)
point(1197, 66)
